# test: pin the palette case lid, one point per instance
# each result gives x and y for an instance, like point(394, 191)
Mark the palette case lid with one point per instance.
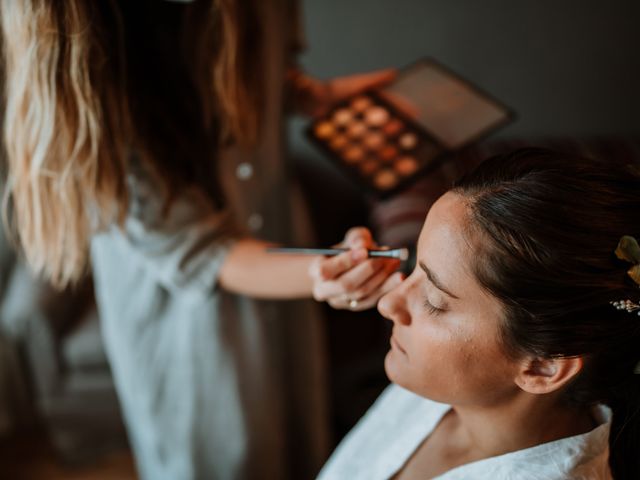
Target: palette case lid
point(452, 109)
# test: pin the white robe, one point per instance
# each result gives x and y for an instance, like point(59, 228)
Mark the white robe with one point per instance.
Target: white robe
point(399, 421)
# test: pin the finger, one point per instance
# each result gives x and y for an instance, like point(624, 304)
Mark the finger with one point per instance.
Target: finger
point(342, 87)
point(372, 300)
point(348, 282)
point(333, 267)
point(315, 268)
point(341, 302)
point(335, 304)
point(352, 280)
point(376, 281)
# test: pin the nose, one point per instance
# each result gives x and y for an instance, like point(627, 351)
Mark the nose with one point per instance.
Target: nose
point(392, 305)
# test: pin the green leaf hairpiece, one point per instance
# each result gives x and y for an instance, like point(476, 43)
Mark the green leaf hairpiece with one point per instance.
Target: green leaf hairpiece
point(629, 250)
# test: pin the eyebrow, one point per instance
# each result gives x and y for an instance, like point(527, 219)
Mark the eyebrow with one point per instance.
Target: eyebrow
point(433, 279)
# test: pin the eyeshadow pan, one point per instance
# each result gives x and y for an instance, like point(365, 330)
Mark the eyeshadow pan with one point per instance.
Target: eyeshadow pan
point(338, 142)
point(388, 153)
point(376, 116)
point(353, 154)
point(406, 165)
point(342, 116)
point(408, 140)
point(373, 140)
point(360, 103)
point(356, 129)
point(393, 127)
point(385, 179)
point(324, 130)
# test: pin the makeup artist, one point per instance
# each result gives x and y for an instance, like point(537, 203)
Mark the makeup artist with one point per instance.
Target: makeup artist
point(146, 136)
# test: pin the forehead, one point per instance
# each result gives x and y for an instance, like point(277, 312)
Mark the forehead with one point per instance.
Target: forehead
point(444, 245)
point(444, 228)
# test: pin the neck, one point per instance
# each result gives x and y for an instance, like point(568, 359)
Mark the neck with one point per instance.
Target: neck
point(524, 422)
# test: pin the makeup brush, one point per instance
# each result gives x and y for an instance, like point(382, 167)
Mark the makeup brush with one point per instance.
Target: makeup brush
point(399, 253)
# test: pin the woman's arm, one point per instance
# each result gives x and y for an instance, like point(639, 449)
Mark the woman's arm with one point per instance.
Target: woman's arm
point(192, 247)
point(249, 270)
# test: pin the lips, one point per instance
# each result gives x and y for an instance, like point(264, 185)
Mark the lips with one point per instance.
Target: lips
point(395, 344)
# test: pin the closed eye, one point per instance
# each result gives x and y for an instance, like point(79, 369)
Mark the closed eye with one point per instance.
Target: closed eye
point(433, 310)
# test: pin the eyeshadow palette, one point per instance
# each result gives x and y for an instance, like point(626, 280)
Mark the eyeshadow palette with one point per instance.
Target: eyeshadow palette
point(386, 138)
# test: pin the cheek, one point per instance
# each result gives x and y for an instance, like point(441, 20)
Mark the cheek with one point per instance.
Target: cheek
point(451, 364)
point(484, 371)
point(433, 354)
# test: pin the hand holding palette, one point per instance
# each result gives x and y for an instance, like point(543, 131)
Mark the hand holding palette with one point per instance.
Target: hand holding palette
point(386, 138)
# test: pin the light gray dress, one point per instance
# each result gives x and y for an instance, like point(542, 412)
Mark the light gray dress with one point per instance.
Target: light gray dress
point(215, 385)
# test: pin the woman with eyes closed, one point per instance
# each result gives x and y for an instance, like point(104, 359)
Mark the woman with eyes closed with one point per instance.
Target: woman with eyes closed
point(515, 346)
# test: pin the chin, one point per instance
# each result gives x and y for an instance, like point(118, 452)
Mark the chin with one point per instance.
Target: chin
point(392, 367)
point(397, 373)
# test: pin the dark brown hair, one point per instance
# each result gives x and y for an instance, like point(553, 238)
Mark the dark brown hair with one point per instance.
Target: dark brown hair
point(549, 225)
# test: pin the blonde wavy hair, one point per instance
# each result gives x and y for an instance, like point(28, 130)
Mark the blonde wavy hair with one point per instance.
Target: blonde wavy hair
point(69, 123)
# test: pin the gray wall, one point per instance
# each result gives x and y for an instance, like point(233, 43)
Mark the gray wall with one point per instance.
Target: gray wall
point(566, 66)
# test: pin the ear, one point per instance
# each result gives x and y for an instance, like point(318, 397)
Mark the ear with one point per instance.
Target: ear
point(546, 375)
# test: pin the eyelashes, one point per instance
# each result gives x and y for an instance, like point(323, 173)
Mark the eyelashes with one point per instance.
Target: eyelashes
point(433, 310)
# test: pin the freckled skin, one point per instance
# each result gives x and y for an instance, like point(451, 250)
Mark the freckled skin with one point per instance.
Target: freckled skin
point(452, 356)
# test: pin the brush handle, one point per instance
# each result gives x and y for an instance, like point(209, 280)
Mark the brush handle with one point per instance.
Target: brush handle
point(399, 253)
